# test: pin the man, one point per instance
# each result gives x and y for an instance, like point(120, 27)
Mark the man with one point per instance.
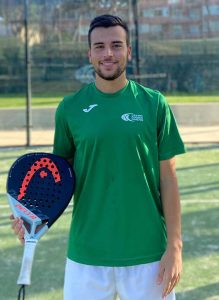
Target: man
point(121, 137)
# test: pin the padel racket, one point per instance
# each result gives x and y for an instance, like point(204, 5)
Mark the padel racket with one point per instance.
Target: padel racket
point(39, 188)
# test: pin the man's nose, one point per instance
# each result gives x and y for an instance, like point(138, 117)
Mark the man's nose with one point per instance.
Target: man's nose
point(108, 52)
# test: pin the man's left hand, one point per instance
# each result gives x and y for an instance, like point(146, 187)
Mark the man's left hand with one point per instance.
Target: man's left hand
point(170, 269)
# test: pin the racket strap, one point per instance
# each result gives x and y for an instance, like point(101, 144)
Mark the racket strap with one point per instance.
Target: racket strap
point(27, 262)
point(21, 293)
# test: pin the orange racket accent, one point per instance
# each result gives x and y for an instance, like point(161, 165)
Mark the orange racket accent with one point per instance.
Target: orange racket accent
point(43, 174)
point(43, 162)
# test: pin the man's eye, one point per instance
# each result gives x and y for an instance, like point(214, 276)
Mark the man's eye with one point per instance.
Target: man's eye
point(117, 45)
point(99, 47)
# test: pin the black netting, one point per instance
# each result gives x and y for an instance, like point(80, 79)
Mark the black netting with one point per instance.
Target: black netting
point(178, 44)
point(175, 46)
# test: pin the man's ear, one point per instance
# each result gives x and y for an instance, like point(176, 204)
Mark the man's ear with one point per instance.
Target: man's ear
point(89, 55)
point(129, 53)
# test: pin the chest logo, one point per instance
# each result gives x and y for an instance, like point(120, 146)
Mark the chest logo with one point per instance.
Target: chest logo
point(89, 108)
point(130, 117)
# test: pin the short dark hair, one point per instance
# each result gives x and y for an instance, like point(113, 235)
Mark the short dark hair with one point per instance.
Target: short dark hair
point(107, 21)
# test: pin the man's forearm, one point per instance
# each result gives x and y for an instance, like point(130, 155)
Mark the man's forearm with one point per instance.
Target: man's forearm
point(171, 205)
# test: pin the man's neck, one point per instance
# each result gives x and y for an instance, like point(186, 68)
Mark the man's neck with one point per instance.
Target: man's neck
point(111, 86)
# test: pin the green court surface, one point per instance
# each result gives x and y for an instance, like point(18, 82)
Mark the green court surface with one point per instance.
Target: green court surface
point(51, 101)
point(198, 174)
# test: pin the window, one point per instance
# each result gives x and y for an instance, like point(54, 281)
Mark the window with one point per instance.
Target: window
point(177, 13)
point(148, 12)
point(194, 14)
point(161, 11)
point(211, 26)
point(214, 26)
point(173, 1)
point(156, 28)
point(194, 29)
point(144, 28)
point(177, 30)
point(156, 12)
point(212, 10)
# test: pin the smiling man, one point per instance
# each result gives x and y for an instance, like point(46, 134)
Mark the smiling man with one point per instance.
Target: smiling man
point(109, 53)
point(122, 138)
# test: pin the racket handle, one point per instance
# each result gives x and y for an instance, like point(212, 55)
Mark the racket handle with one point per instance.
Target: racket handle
point(27, 262)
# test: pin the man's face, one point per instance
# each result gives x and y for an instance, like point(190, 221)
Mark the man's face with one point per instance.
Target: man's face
point(109, 52)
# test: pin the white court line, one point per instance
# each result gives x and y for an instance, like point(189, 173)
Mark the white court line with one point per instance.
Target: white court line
point(200, 201)
point(4, 206)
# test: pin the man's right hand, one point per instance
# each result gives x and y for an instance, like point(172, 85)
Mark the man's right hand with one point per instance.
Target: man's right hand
point(18, 228)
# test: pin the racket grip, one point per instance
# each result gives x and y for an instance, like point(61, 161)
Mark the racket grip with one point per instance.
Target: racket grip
point(27, 262)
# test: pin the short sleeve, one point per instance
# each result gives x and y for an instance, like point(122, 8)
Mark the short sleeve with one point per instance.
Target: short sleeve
point(169, 140)
point(63, 141)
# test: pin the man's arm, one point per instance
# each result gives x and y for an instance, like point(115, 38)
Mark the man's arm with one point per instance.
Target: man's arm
point(171, 262)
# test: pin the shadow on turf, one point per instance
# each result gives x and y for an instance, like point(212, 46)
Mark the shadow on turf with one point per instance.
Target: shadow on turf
point(4, 172)
point(3, 195)
point(202, 187)
point(200, 293)
point(199, 188)
point(199, 234)
point(213, 165)
point(201, 147)
point(14, 157)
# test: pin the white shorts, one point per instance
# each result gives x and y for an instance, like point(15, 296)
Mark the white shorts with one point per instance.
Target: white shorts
point(85, 282)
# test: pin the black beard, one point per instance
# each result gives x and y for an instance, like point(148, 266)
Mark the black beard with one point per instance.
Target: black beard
point(112, 77)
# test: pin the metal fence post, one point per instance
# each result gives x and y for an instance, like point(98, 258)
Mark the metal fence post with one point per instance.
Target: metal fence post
point(28, 74)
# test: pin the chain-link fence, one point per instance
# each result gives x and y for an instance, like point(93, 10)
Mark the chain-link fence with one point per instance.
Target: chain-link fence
point(175, 44)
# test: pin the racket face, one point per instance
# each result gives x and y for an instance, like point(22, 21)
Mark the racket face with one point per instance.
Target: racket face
point(43, 183)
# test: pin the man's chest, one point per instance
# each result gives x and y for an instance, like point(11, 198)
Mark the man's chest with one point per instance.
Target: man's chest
point(112, 121)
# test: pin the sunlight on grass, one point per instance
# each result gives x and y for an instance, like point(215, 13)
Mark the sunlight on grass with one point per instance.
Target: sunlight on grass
point(20, 101)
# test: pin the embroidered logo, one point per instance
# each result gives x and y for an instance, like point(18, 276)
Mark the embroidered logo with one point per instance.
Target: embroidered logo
point(130, 117)
point(89, 108)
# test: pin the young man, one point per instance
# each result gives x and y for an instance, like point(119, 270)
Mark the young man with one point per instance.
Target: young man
point(121, 137)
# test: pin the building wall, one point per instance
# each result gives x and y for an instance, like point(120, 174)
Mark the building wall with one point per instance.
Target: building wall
point(179, 19)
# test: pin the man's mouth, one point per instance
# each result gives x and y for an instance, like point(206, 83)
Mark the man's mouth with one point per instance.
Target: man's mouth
point(108, 63)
